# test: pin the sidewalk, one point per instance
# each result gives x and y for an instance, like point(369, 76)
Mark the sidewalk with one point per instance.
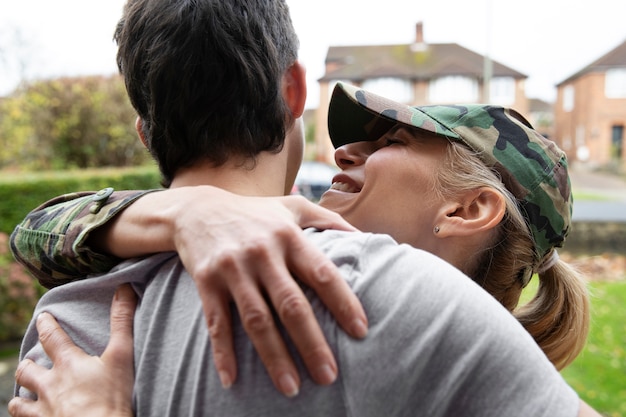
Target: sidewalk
point(598, 183)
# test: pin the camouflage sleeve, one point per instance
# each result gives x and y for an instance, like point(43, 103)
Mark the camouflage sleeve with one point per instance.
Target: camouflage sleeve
point(51, 241)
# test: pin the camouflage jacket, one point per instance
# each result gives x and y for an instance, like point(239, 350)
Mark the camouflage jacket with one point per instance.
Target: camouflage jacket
point(51, 241)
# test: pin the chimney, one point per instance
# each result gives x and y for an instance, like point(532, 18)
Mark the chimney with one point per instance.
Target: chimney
point(419, 45)
point(419, 33)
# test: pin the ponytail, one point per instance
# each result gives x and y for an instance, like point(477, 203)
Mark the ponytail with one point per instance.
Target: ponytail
point(558, 315)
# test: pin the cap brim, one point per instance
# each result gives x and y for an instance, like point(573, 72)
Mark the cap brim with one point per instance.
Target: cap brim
point(355, 115)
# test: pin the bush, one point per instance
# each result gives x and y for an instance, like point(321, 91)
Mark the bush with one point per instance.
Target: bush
point(82, 122)
point(19, 293)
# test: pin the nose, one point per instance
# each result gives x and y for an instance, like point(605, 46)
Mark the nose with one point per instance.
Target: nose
point(351, 154)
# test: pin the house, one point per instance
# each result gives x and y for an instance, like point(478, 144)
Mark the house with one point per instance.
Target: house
point(590, 111)
point(417, 73)
point(541, 116)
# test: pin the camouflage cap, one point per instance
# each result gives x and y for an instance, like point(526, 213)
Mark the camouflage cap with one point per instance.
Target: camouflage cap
point(532, 167)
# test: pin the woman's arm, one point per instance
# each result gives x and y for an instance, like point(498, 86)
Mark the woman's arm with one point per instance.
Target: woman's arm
point(51, 241)
point(235, 248)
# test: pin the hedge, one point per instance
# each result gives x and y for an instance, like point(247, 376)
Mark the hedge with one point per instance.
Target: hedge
point(20, 193)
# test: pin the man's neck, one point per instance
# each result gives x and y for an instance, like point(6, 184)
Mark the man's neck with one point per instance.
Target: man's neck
point(263, 177)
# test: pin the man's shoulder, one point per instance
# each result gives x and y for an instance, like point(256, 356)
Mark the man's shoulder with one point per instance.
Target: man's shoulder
point(368, 252)
point(384, 273)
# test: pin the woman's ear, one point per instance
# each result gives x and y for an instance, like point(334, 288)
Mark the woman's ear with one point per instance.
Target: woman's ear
point(478, 210)
point(139, 129)
point(294, 88)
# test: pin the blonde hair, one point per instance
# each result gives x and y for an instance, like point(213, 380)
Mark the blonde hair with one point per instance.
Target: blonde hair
point(558, 315)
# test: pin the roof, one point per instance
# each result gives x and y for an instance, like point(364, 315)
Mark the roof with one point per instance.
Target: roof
point(615, 58)
point(409, 61)
point(538, 105)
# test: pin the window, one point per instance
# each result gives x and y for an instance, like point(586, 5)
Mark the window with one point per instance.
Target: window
point(453, 89)
point(615, 83)
point(393, 88)
point(568, 98)
point(502, 91)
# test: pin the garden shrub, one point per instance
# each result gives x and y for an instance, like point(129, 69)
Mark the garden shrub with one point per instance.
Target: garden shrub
point(19, 291)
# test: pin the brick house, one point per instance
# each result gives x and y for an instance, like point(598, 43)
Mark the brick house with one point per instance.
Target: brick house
point(590, 111)
point(417, 73)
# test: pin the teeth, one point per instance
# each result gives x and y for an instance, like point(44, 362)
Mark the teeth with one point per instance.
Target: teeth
point(346, 188)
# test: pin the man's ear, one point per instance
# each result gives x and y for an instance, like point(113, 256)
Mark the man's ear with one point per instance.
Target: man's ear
point(294, 88)
point(478, 210)
point(139, 129)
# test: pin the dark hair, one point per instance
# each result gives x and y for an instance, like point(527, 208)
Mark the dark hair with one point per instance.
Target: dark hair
point(205, 77)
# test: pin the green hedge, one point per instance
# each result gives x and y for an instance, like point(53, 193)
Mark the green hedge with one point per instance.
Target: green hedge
point(20, 193)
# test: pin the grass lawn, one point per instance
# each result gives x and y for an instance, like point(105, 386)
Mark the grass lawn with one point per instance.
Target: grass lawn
point(599, 372)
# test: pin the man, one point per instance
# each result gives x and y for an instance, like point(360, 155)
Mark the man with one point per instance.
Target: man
point(187, 62)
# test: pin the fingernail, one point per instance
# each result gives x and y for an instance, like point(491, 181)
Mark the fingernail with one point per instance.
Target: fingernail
point(43, 315)
point(227, 382)
point(359, 328)
point(124, 293)
point(326, 375)
point(288, 385)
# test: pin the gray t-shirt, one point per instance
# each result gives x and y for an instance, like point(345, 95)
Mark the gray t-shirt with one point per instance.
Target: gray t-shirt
point(438, 345)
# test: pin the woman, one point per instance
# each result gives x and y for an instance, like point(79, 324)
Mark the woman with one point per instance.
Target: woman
point(475, 185)
point(483, 156)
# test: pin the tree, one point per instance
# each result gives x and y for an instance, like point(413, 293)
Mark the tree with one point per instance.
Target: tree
point(63, 123)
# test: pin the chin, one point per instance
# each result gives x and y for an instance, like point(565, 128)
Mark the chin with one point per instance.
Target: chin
point(340, 203)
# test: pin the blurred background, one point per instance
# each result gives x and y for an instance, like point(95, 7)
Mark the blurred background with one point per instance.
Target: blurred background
point(66, 124)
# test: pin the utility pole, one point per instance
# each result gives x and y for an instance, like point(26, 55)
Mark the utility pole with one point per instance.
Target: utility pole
point(487, 64)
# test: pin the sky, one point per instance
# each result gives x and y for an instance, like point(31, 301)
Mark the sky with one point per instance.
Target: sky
point(548, 40)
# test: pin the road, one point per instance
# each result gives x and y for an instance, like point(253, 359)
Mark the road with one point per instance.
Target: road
point(610, 190)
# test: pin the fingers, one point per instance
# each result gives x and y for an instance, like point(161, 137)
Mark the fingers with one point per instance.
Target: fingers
point(296, 314)
point(53, 338)
point(217, 314)
point(119, 351)
point(258, 322)
point(29, 375)
point(23, 407)
point(309, 214)
point(232, 276)
point(313, 268)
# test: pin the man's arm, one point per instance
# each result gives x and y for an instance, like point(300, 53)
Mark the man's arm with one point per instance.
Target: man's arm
point(234, 247)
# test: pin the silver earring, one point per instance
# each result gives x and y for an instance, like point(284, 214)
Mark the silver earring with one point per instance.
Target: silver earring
point(436, 229)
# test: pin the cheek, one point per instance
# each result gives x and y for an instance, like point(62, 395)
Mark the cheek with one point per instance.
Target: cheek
point(406, 202)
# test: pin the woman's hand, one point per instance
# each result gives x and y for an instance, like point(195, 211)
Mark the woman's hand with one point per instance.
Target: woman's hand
point(79, 384)
point(258, 253)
